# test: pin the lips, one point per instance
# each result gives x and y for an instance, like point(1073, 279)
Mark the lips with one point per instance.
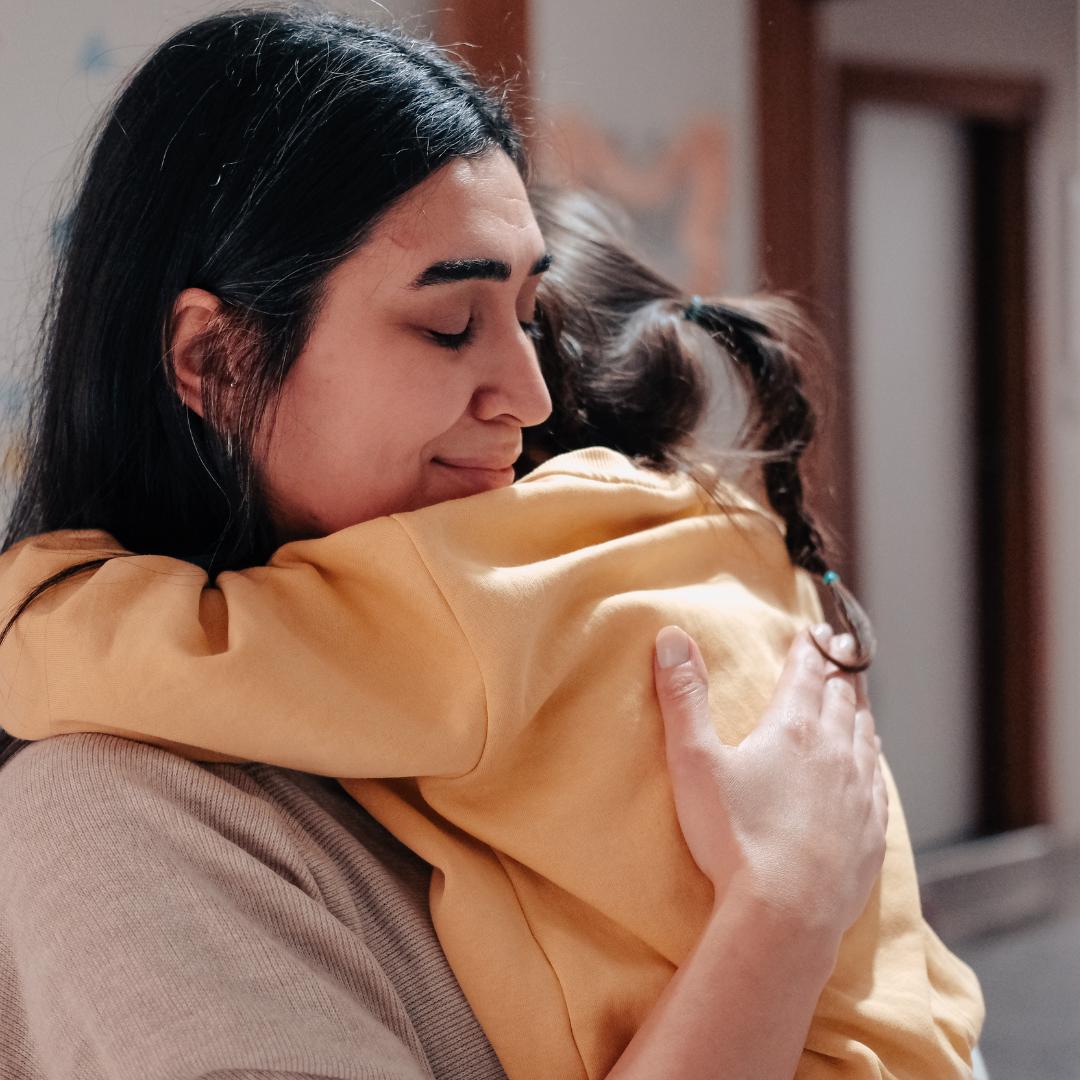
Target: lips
point(483, 466)
point(473, 475)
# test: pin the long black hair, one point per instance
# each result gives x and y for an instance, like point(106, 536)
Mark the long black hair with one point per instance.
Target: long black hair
point(248, 156)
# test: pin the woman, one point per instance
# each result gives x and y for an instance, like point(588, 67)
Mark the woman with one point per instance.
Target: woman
point(270, 296)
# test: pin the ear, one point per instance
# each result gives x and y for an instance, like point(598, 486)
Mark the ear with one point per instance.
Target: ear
point(193, 311)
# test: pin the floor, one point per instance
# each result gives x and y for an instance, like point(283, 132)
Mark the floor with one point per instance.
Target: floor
point(1031, 981)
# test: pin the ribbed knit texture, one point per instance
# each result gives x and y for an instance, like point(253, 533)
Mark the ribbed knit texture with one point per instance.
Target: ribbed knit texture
point(167, 920)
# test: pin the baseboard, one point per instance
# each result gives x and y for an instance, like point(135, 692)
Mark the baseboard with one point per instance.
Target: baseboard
point(996, 882)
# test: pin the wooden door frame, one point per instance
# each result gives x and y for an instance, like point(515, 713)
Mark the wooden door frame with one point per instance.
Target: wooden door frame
point(791, 128)
point(1012, 674)
point(972, 887)
point(837, 91)
point(787, 60)
point(492, 37)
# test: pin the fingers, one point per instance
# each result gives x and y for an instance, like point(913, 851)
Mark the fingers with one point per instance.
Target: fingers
point(862, 705)
point(864, 749)
point(800, 689)
point(881, 792)
point(862, 694)
point(682, 689)
point(868, 749)
point(868, 759)
point(839, 705)
point(846, 712)
point(810, 689)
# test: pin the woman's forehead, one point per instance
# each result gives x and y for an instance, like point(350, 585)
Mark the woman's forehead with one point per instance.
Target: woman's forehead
point(471, 211)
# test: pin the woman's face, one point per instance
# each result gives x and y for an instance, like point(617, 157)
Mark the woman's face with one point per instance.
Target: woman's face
point(420, 371)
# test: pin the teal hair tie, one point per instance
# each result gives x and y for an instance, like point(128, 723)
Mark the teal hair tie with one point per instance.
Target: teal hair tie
point(693, 309)
point(854, 621)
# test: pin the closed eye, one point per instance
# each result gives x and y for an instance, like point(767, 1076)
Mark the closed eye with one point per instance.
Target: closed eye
point(453, 341)
point(530, 327)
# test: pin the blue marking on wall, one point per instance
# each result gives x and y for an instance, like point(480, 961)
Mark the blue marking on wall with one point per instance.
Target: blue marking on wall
point(94, 55)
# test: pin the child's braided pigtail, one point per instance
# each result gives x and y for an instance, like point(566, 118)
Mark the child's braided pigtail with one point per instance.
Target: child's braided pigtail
point(781, 426)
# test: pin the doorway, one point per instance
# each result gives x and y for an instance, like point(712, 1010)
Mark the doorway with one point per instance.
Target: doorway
point(928, 236)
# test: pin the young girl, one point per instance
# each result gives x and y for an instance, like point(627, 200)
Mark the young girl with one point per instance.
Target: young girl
point(507, 615)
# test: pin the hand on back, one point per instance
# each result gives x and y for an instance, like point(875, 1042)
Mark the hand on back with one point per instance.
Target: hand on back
point(795, 815)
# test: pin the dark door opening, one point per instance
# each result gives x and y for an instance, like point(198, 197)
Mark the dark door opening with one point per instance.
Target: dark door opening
point(997, 117)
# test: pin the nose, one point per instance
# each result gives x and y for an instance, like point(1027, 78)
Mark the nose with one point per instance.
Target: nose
point(514, 387)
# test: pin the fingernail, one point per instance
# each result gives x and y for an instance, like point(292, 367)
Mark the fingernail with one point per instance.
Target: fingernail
point(844, 645)
point(672, 647)
point(822, 633)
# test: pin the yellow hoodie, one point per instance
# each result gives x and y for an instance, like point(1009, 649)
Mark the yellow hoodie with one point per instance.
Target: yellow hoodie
point(479, 675)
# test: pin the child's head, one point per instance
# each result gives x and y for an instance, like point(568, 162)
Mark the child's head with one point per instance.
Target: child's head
point(628, 355)
point(630, 361)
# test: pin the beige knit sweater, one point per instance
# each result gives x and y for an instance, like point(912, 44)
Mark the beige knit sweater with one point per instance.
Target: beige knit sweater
point(167, 920)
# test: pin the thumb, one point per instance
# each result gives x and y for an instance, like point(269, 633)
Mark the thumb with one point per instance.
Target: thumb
point(682, 689)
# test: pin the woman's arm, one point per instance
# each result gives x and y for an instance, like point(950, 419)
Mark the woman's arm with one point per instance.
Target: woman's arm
point(817, 962)
point(739, 1008)
point(741, 1005)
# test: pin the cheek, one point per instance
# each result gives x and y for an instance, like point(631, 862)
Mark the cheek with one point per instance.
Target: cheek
point(349, 442)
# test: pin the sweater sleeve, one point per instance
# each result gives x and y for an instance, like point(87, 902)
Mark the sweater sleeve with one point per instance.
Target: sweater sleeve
point(898, 1005)
point(333, 658)
point(159, 921)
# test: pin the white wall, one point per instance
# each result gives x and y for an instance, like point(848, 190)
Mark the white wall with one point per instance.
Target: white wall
point(1036, 37)
point(641, 70)
point(59, 64)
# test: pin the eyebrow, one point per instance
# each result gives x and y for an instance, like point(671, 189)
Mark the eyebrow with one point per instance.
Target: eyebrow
point(443, 273)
